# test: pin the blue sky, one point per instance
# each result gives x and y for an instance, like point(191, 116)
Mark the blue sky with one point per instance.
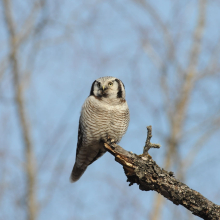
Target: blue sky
point(84, 41)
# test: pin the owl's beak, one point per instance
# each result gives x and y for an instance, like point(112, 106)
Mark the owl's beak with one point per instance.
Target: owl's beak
point(103, 87)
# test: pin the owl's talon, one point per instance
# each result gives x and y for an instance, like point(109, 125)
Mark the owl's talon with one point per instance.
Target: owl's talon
point(112, 141)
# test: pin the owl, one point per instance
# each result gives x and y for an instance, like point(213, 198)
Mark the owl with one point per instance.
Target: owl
point(104, 115)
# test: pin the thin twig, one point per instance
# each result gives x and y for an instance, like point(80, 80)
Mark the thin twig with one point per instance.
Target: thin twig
point(149, 176)
point(148, 144)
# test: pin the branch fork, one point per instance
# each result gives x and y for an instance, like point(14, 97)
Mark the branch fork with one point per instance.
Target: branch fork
point(148, 144)
point(148, 175)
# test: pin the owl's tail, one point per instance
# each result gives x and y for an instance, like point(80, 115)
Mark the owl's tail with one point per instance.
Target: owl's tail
point(76, 173)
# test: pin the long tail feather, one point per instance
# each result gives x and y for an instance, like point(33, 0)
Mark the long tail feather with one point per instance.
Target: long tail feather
point(76, 173)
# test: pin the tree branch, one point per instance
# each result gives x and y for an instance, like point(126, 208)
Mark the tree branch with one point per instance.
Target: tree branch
point(30, 169)
point(143, 170)
point(148, 144)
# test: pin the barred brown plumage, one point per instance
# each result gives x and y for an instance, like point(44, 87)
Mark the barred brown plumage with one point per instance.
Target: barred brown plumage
point(104, 114)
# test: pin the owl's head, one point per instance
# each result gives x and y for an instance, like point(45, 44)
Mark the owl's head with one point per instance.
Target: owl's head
point(108, 87)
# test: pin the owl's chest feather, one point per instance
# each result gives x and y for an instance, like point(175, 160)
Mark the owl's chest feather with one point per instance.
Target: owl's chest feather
point(107, 110)
point(103, 118)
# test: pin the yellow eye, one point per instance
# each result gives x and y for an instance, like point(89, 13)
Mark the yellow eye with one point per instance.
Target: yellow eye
point(110, 84)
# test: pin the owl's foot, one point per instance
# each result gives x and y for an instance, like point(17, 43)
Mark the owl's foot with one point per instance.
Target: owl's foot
point(148, 144)
point(111, 142)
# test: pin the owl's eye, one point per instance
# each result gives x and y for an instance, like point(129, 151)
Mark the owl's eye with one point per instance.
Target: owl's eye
point(110, 84)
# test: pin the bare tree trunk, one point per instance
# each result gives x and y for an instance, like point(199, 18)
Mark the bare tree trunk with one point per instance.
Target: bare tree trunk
point(19, 97)
point(177, 119)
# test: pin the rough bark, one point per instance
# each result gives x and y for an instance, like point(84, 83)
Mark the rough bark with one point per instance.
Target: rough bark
point(143, 170)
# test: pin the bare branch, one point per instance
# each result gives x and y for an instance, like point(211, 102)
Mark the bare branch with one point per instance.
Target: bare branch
point(155, 17)
point(178, 114)
point(148, 175)
point(28, 25)
point(148, 144)
point(28, 146)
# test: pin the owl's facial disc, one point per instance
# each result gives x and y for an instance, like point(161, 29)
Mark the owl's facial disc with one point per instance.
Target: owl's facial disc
point(108, 87)
point(103, 91)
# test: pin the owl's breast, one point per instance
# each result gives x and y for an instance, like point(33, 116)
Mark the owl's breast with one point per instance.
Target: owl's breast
point(119, 120)
point(101, 120)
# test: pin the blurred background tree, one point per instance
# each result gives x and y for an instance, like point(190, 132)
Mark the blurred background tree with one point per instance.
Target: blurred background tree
point(168, 56)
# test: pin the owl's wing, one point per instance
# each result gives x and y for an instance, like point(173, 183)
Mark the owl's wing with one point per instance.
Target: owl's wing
point(100, 153)
point(79, 144)
point(80, 138)
point(77, 172)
